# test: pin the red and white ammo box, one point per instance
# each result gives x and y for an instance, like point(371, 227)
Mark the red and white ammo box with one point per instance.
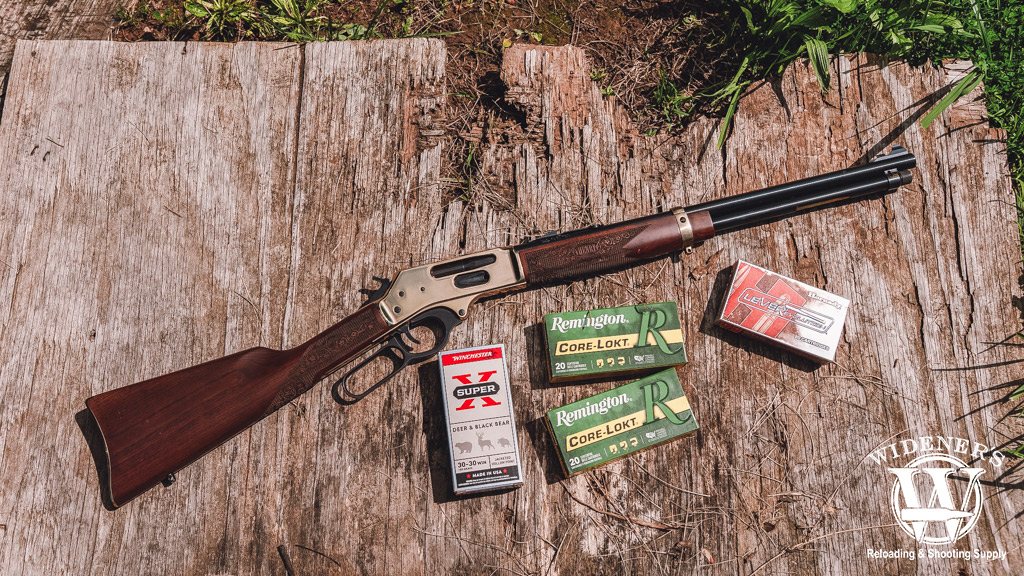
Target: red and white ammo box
point(482, 438)
point(783, 312)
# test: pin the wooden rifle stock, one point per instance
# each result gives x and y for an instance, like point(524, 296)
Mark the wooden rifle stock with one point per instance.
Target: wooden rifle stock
point(156, 427)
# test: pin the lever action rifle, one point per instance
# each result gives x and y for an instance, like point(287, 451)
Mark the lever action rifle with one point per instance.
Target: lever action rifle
point(152, 429)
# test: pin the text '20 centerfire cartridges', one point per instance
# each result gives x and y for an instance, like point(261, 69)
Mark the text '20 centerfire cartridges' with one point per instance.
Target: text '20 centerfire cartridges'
point(623, 340)
point(783, 312)
point(481, 426)
point(621, 421)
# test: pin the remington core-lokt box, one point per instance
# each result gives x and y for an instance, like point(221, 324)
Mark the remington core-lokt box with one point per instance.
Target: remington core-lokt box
point(627, 339)
point(481, 426)
point(621, 421)
point(783, 312)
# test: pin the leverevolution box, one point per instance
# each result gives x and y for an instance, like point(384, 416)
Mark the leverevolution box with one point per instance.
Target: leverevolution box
point(482, 438)
point(627, 339)
point(781, 311)
point(620, 422)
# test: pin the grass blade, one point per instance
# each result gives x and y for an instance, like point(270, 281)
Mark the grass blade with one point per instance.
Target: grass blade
point(727, 121)
point(817, 52)
point(964, 86)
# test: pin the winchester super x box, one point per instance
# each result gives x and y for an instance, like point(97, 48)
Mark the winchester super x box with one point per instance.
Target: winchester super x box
point(620, 422)
point(783, 312)
point(627, 339)
point(481, 426)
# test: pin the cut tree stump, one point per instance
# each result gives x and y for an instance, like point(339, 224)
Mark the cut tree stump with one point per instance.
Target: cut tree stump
point(166, 204)
point(54, 20)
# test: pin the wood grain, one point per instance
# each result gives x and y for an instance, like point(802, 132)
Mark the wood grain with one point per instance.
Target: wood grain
point(53, 20)
point(169, 208)
point(368, 203)
point(143, 234)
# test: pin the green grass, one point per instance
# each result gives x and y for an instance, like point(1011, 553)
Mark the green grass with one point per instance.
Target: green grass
point(287, 20)
point(274, 20)
point(767, 35)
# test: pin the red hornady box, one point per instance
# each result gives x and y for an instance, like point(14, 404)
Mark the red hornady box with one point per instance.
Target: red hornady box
point(783, 312)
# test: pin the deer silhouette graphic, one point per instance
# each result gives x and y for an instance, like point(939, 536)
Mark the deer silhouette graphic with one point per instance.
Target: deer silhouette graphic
point(483, 443)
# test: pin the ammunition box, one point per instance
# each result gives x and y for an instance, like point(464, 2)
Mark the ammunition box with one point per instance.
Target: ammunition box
point(620, 422)
point(482, 442)
point(620, 341)
point(783, 312)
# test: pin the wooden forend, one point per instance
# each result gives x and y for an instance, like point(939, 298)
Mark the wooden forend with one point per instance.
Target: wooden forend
point(584, 253)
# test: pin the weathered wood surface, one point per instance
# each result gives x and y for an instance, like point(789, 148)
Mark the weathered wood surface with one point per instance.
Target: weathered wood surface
point(147, 190)
point(53, 20)
point(782, 454)
point(165, 205)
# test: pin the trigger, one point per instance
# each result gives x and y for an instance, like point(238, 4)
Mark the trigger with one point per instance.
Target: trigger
point(407, 333)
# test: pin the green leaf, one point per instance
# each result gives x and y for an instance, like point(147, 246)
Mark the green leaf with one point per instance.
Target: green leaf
point(964, 86)
point(810, 19)
point(943, 20)
point(817, 52)
point(197, 9)
point(353, 31)
point(844, 6)
point(750, 20)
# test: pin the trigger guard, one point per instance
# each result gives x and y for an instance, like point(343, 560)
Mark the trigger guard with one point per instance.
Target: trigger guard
point(447, 316)
point(448, 319)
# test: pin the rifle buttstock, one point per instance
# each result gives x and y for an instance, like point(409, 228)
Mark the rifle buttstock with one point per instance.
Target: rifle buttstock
point(156, 427)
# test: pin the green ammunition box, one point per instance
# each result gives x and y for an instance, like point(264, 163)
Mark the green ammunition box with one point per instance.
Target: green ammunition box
point(621, 421)
point(620, 341)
